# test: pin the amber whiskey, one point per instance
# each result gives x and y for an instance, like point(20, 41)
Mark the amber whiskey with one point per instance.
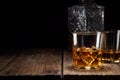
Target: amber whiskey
point(87, 58)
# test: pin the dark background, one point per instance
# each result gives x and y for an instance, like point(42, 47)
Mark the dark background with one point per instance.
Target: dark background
point(44, 24)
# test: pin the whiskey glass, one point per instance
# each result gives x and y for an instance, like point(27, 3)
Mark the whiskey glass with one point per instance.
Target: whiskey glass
point(111, 52)
point(87, 50)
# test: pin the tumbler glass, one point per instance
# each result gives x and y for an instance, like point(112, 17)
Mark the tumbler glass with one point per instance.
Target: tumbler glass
point(111, 51)
point(87, 50)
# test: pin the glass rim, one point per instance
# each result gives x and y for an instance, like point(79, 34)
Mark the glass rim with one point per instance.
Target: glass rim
point(110, 31)
point(88, 33)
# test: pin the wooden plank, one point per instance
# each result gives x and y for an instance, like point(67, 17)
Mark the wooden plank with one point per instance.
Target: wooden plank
point(35, 62)
point(6, 57)
point(107, 69)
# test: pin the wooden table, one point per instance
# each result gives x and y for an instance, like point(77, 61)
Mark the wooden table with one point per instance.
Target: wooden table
point(46, 62)
point(107, 68)
point(31, 62)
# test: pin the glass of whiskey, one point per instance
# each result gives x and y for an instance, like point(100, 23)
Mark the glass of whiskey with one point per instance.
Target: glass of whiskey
point(111, 52)
point(87, 50)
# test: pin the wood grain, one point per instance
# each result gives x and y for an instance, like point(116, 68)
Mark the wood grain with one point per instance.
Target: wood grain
point(33, 62)
point(6, 57)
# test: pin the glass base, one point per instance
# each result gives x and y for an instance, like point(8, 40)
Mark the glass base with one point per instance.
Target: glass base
point(110, 61)
point(116, 61)
point(87, 67)
point(107, 61)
